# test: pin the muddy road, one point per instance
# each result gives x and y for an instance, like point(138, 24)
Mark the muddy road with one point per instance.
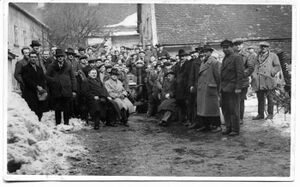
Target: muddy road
point(146, 149)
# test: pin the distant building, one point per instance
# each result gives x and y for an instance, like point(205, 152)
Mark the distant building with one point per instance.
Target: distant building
point(124, 33)
point(23, 27)
point(187, 25)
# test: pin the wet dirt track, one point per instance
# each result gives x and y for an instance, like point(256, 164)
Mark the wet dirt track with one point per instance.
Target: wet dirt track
point(146, 149)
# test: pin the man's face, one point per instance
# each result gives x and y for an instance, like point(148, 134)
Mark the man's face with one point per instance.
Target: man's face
point(240, 47)
point(102, 69)
point(70, 56)
point(227, 50)
point(152, 58)
point(251, 50)
point(114, 77)
point(93, 74)
point(148, 47)
point(33, 59)
point(161, 48)
point(83, 62)
point(81, 53)
point(60, 58)
point(106, 48)
point(103, 57)
point(26, 53)
point(170, 77)
point(36, 49)
point(264, 49)
point(46, 54)
point(53, 50)
point(207, 54)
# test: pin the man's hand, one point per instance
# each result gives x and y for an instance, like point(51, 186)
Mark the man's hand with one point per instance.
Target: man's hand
point(96, 97)
point(109, 98)
point(237, 91)
point(122, 96)
point(74, 94)
point(39, 88)
point(167, 96)
point(192, 89)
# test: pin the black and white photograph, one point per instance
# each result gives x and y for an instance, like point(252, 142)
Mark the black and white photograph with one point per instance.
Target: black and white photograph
point(172, 90)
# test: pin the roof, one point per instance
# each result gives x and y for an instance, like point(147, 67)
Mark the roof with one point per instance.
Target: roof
point(129, 21)
point(30, 16)
point(195, 23)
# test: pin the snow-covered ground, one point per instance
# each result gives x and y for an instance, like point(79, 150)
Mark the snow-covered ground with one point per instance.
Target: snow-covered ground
point(35, 147)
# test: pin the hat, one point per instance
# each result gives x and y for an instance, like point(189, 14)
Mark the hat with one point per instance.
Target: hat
point(142, 52)
point(77, 55)
point(70, 51)
point(83, 57)
point(139, 62)
point(207, 48)
point(34, 43)
point(193, 52)
point(92, 60)
point(169, 72)
point(59, 52)
point(101, 64)
point(251, 47)
point(226, 43)
point(158, 45)
point(81, 49)
point(182, 53)
point(264, 44)
point(108, 66)
point(168, 63)
point(114, 71)
point(87, 69)
point(237, 42)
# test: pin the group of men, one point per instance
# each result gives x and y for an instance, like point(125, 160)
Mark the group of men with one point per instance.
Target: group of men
point(189, 87)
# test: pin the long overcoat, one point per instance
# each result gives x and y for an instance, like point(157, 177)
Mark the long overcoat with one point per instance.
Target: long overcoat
point(91, 88)
point(263, 77)
point(62, 80)
point(208, 88)
point(115, 89)
point(182, 76)
point(32, 78)
point(168, 104)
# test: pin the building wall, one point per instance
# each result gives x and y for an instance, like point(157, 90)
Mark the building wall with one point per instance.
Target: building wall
point(128, 41)
point(145, 26)
point(21, 31)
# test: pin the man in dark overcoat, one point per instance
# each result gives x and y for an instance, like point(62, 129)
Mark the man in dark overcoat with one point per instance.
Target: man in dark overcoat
point(193, 82)
point(19, 67)
point(248, 63)
point(232, 72)
point(181, 91)
point(63, 86)
point(34, 83)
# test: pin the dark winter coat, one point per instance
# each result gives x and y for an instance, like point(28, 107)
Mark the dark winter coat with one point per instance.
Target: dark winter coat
point(232, 73)
point(18, 70)
point(91, 88)
point(208, 88)
point(168, 104)
point(62, 80)
point(248, 62)
point(194, 73)
point(182, 75)
point(32, 79)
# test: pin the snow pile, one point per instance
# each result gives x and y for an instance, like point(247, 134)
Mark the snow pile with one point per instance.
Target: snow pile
point(281, 121)
point(35, 147)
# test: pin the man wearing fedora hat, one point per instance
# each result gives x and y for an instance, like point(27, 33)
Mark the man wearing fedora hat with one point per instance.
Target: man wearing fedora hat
point(181, 91)
point(61, 78)
point(161, 51)
point(232, 72)
point(35, 45)
point(208, 112)
point(263, 79)
point(35, 83)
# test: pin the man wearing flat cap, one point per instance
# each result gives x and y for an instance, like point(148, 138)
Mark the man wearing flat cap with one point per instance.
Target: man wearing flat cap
point(232, 72)
point(248, 63)
point(263, 79)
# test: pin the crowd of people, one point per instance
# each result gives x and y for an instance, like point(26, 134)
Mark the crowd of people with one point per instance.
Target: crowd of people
point(105, 84)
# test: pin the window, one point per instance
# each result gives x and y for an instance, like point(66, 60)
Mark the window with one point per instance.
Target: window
point(16, 35)
point(25, 38)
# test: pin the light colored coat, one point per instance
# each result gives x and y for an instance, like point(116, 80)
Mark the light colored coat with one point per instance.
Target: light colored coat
point(208, 88)
point(263, 77)
point(115, 90)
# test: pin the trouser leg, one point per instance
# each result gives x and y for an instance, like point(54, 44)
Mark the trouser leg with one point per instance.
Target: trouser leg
point(242, 102)
point(225, 111)
point(270, 102)
point(261, 102)
point(167, 116)
point(57, 117)
point(66, 110)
